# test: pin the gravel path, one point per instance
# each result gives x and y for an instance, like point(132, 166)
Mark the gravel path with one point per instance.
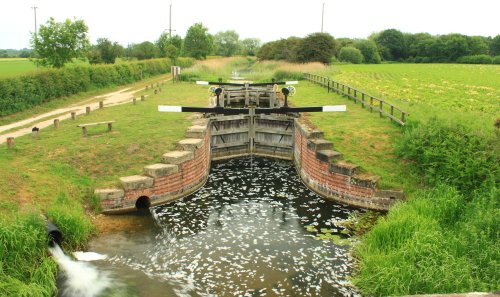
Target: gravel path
point(47, 119)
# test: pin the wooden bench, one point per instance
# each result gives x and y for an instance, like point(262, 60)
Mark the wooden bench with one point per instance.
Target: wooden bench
point(84, 126)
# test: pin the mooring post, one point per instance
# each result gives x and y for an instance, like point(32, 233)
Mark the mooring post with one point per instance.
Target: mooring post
point(87, 110)
point(10, 142)
point(56, 123)
point(101, 104)
point(73, 115)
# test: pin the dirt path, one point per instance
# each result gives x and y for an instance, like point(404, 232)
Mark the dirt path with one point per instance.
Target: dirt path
point(47, 119)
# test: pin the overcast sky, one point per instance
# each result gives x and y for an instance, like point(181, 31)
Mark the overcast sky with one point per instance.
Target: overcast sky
point(137, 21)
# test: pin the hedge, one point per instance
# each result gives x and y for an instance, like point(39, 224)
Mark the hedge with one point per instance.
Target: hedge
point(23, 92)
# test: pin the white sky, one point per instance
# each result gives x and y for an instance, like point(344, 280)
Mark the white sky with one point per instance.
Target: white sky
point(138, 21)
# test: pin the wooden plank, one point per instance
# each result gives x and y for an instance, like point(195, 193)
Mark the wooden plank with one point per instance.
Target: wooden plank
point(94, 124)
point(271, 131)
point(229, 131)
point(229, 144)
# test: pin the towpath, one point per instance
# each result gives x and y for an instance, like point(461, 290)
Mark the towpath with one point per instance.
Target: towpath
point(44, 120)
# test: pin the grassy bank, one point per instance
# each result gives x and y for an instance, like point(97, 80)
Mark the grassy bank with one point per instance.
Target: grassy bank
point(56, 174)
point(15, 66)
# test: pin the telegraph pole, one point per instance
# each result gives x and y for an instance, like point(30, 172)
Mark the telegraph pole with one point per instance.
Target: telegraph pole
point(36, 37)
point(322, 16)
point(170, 23)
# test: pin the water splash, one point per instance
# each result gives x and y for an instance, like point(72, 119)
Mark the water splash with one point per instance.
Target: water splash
point(81, 279)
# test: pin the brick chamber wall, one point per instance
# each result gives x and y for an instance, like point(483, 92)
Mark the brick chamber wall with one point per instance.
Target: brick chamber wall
point(323, 170)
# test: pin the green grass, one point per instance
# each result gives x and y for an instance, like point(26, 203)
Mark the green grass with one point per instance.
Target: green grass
point(56, 174)
point(460, 92)
point(14, 67)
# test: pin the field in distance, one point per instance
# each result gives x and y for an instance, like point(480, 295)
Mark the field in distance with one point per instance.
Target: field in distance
point(15, 66)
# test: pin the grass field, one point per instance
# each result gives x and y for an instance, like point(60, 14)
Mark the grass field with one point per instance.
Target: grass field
point(464, 92)
point(15, 66)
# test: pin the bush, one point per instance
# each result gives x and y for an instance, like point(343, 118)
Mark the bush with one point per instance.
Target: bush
point(439, 242)
point(24, 92)
point(450, 153)
point(351, 55)
point(496, 60)
point(477, 59)
point(283, 75)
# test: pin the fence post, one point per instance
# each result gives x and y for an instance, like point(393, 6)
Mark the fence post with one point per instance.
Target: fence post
point(87, 110)
point(328, 86)
point(143, 98)
point(371, 104)
point(101, 104)
point(392, 111)
point(355, 96)
point(363, 100)
point(56, 123)
point(73, 115)
point(348, 92)
point(380, 108)
point(402, 117)
point(134, 101)
point(10, 142)
point(338, 88)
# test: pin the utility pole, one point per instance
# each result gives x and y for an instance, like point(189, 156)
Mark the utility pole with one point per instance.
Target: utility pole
point(36, 36)
point(322, 16)
point(170, 23)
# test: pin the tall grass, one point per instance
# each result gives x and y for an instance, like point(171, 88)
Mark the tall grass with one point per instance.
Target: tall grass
point(446, 238)
point(438, 242)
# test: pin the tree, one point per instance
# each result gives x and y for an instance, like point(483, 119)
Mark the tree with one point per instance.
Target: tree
point(317, 47)
point(454, 46)
point(165, 40)
point(350, 54)
point(478, 45)
point(391, 44)
point(172, 52)
point(58, 43)
point(369, 51)
point(143, 51)
point(106, 51)
point(495, 46)
point(198, 42)
point(250, 46)
point(226, 43)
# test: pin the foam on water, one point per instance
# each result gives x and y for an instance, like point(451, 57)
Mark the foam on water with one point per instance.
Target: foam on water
point(81, 279)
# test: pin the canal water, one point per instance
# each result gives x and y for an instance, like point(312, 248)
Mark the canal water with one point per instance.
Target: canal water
point(253, 230)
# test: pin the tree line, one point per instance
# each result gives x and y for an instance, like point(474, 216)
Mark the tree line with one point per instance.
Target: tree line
point(387, 45)
point(59, 42)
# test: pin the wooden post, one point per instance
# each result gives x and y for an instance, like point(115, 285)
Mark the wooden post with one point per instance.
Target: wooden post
point(343, 89)
point(156, 91)
point(143, 98)
point(73, 115)
point(355, 95)
point(87, 110)
point(134, 101)
point(147, 88)
point(101, 104)
point(402, 117)
point(380, 108)
point(371, 104)
point(338, 88)
point(84, 131)
point(110, 126)
point(363, 100)
point(10, 142)
point(56, 123)
point(392, 111)
point(328, 86)
point(348, 92)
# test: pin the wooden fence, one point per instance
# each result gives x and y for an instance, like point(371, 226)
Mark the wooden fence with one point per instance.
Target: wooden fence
point(384, 108)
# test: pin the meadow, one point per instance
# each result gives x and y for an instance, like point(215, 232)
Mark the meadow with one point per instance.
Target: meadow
point(10, 67)
point(56, 174)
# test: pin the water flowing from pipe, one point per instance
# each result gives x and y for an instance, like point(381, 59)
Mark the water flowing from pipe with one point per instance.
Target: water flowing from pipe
point(80, 279)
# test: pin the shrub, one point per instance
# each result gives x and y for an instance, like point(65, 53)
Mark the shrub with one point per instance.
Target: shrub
point(282, 75)
point(477, 59)
point(23, 92)
point(496, 60)
point(351, 55)
point(450, 153)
